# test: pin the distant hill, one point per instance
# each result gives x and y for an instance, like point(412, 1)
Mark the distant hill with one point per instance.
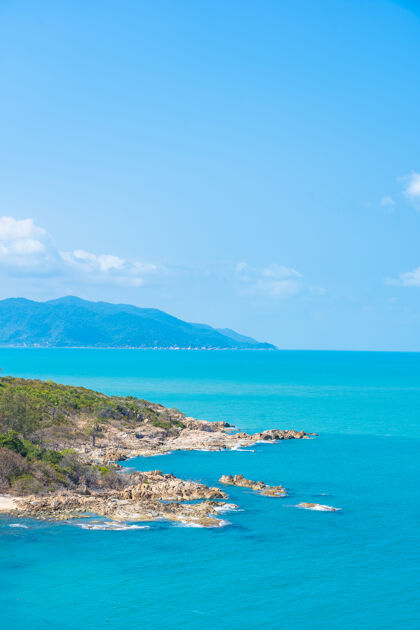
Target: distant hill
point(72, 322)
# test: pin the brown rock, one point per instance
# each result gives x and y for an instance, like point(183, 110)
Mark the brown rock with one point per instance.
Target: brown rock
point(258, 486)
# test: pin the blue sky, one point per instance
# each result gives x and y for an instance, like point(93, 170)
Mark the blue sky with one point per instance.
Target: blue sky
point(246, 164)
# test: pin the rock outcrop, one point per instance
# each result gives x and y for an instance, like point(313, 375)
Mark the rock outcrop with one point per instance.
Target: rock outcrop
point(257, 486)
point(200, 435)
point(152, 496)
point(158, 486)
point(273, 435)
point(197, 435)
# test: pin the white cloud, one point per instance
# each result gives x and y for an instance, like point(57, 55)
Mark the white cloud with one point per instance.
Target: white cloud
point(109, 268)
point(29, 250)
point(411, 185)
point(273, 281)
point(406, 279)
point(14, 229)
point(24, 245)
point(92, 262)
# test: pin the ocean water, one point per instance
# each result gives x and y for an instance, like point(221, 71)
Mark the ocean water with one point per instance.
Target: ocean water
point(271, 564)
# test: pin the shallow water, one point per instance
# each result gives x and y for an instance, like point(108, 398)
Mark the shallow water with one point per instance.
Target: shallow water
point(271, 564)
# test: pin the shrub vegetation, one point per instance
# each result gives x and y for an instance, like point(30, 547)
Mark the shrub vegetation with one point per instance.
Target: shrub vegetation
point(34, 414)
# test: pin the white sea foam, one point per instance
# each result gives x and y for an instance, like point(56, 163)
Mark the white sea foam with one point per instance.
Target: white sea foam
point(221, 523)
point(111, 526)
point(229, 507)
point(243, 450)
point(189, 524)
point(18, 525)
point(318, 508)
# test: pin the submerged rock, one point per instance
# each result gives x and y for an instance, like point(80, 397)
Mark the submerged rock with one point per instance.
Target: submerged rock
point(317, 507)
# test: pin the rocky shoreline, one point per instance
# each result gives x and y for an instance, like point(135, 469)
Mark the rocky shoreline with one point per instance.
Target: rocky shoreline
point(151, 496)
point(60, 448)
point(195, 435)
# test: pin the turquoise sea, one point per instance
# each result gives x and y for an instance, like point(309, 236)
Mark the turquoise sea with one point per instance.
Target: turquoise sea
point(272, 565)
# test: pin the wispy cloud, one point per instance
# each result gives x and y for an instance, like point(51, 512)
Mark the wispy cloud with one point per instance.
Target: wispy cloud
point(92, 262)
point(109, 268)
point(276, 281)
point(28, 249)
point(387, 202)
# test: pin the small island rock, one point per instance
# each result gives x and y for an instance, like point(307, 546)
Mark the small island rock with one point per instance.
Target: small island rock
point(258, 486)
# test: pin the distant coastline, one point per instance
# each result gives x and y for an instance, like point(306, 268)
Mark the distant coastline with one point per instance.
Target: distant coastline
point(157, 348)
point(71, 322)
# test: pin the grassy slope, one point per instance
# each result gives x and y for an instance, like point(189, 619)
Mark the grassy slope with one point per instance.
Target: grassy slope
point(36, 414)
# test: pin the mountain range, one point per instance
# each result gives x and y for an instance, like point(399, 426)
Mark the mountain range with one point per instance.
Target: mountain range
point(73, 322)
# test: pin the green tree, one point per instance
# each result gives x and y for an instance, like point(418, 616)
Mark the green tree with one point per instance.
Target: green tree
point(12, 441)
point(19, 412)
